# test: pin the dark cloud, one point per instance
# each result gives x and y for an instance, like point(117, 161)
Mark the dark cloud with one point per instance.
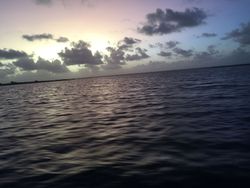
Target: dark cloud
point(240, 35)
point(1, 64)
point(172, 44)
point(44, 36)
point(28, 64)
point(169, 21)
point(55, 66)
point(139, 55)
point(115, 59)
point(12, 54)
point(118, 55)
point(182, 52)
point(165, 54)
point(62, 39)
point(127, 43)
point(131, 41)
point(208, 35)
point(80, 54)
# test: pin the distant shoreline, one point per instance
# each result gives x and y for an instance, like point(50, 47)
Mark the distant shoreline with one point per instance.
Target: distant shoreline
point(60, 80)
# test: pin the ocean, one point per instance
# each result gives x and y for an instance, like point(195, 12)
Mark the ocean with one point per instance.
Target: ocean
point(185, 128)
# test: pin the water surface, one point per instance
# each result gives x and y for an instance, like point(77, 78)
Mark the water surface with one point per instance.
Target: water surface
point(185, 128)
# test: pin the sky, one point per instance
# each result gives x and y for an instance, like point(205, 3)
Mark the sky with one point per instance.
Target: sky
point(62, 39)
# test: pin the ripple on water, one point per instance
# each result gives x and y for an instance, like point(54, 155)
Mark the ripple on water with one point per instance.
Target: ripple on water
point(180, 128)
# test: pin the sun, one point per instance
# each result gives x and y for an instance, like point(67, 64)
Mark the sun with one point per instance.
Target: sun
point(49, 52)
point(98, 44)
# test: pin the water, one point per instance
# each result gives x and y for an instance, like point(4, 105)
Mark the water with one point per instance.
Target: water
point(186, 128)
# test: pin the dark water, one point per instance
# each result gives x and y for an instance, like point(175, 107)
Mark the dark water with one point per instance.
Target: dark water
point(169, 129)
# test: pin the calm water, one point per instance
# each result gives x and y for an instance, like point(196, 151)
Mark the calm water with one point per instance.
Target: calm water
point(186, 128)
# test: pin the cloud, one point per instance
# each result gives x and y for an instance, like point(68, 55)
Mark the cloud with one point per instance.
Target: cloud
point(62, 39)
point(43, 2)
point(208, 35)
point(87, 3)
point(118, 55)
point(165, 54)
point(182, 52)
point(169, 21)
point(165, 46)
point(207, 55)
point(131, 41)
point(115, 59)
point(171, 44)
point(127, 43)
point(139, 55)
point(6, 70)
point(12, 54)
point(55, 66)
point(80, 54)
point(44, 36)
point(28, 64)
point(240, 35)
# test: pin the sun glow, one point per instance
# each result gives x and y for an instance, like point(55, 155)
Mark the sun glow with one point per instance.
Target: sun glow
point(97, 42)
point(99, 45)
point(49, 52)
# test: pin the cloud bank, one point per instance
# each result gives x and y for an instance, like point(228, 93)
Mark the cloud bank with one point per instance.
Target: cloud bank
point(8, 54)
point(28, 64)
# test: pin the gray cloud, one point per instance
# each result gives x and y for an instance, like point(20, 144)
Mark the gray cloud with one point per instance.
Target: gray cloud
point(62, 39)
point(28, 64)
point(80, 54)
point(171, 44)
point(182, 52)
point(115, 59)
point(208, 35)
point(207, 55)
point(139, 55)
point(238, 56)
point(131, 41)
point(167, 45)
point(165, 54)
point(44, 36)
point(6, 70)
point(169, 21)
point(43, 2)
point(127, 43)
point(118, 55)
point(55, 66)
point(87, 3)
point(12, 54)
point(240, 35)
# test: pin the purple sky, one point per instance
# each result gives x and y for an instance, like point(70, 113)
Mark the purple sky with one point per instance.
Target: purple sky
point(52, 39)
